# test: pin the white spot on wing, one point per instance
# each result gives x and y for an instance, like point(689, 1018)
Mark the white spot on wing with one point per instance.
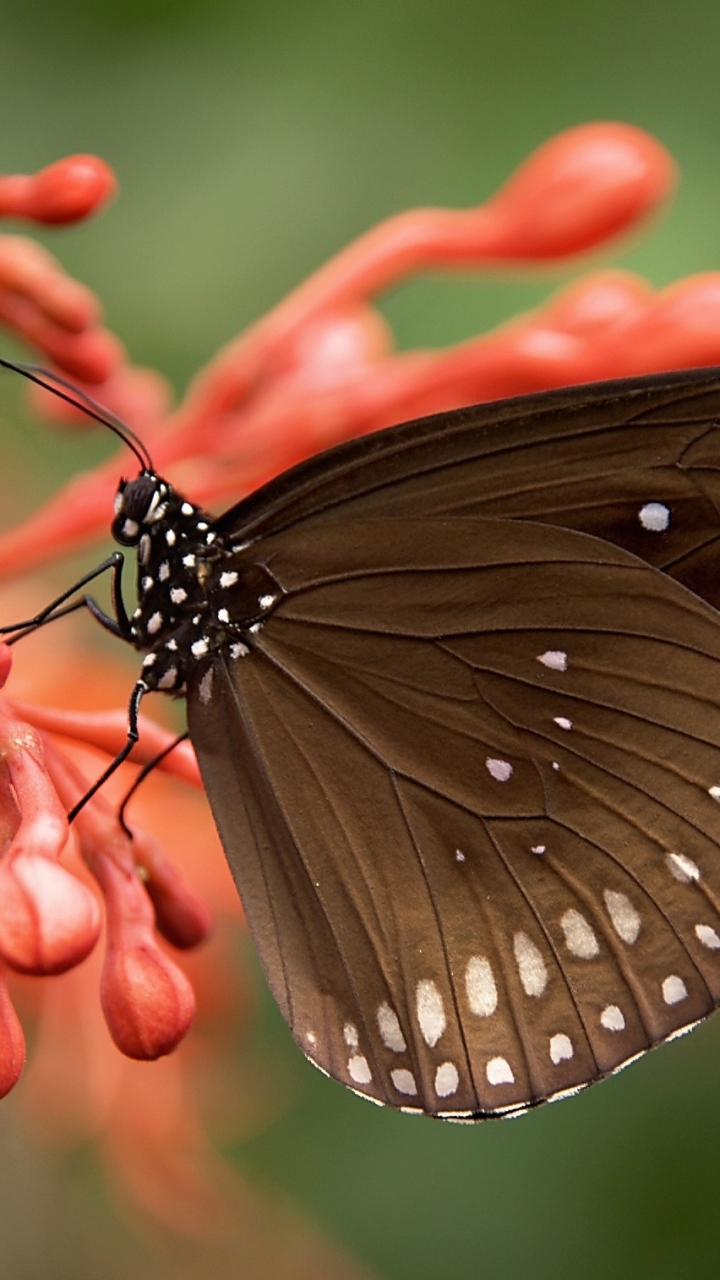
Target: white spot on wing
point(228, 579)
point(390, 1030)
point(624, 916)
point(480, 986)
point(239, 650)
point(359, 1069)
point(562, 722)
point(674, 989)
point(430, 1011)
point(404, 1082)
point(531, 966)
point(350, 1035)
point(459, 855)
point(205, 687)
point(555, 659)
point(500, 770)
point(682, 867)
point(579, 935)
point(561, 1049)
point(499, 1071)
point(708, 936)
point(612, 1018)
point(446, 1079)
point(654, 516)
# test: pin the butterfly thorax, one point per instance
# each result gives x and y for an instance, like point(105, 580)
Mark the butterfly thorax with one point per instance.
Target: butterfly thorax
point(196, 595)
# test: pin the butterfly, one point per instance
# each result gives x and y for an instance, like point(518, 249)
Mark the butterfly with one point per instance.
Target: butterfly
point(454, 690)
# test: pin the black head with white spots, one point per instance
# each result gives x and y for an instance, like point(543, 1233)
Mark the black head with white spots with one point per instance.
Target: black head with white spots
point(139, 503)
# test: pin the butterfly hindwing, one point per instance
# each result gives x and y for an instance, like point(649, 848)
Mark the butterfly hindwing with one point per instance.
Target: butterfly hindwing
point(464, 778)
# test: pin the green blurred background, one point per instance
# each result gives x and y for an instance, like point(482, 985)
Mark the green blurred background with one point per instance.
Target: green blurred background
point(252, 140)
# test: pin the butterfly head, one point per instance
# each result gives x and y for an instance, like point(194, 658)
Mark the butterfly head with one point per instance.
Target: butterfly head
point(139, 503)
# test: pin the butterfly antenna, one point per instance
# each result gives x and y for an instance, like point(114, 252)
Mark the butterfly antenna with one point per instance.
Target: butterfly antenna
point(79, 400)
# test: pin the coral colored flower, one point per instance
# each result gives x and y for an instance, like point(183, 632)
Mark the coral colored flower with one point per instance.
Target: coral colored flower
point(320, 368)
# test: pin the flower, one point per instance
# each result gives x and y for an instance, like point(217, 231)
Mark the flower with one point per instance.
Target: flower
point(319, 368)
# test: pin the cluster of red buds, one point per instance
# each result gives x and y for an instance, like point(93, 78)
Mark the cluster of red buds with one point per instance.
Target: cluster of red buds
point(320, 368)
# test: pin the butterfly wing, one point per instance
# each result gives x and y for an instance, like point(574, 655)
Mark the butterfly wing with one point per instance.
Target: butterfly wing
point(636, 462)
point(466, 787)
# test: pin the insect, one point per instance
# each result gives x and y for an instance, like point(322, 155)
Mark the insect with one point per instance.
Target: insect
point(454, 690)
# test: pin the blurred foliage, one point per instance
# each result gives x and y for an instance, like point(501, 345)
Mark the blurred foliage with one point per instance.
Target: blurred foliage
point(252, 140)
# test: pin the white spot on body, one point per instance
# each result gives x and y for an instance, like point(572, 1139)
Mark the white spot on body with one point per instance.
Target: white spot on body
point(144, 548)
point(531, 966)
point(390, 1030)
point(265, 601)
point(350, 1035)
point(430, 1011)
point(189, 561)
point(164, 571)
point(480, 986)
point(579, 936)
point(555, 659)
point(178, 594)
point(682, 867)
point(228, 579)
point(170, 537)
point(404, 1082)
point(154, 623)
point(150, 660)
point(446, 1079)
point(538, 848)
point(130, 528)
point(256, 626)
point(171, 644)
point(202, 525)
point(708, 936)
point(205, 687)
point(624, 916)
point(187, 509)
point(359, 1069)
point(674, 989)
point(168, 678)
point(499, 1071)
point(147, 583)
point(654, 516)
point(612, 1018)
point(223, 615)
point(562, 722)
point(500, 770)
point(561, 1049)
point(199, 648)
point(210, 538)
point(118, 502)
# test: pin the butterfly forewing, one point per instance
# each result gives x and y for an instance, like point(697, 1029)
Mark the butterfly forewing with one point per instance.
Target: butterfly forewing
point(463, 775)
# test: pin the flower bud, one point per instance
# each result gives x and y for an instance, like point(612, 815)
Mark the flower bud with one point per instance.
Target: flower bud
point(49, 920)
point(67, 191)
point(12, 1042)
point(148, 1003)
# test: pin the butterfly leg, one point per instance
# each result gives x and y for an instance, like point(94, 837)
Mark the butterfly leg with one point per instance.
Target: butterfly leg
point(136, 698)
point(146, 769)
point(119, 625)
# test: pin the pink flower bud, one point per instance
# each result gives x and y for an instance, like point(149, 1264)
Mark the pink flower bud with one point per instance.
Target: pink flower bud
point(12, 1042)
point(148, 1003)
point(67, 191)
point(182, 916)
point(49, 920)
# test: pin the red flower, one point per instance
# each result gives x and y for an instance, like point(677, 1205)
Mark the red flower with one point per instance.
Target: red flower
point(320, 368)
